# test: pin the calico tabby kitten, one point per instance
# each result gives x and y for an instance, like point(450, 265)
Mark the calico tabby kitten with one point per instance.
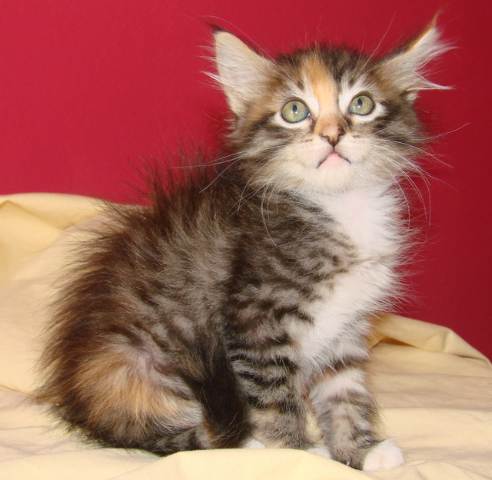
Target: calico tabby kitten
point(239, 301)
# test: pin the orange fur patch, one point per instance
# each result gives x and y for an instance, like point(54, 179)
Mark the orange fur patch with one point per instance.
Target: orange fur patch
point(115, 388)
point(324, 89)
point(423, 33)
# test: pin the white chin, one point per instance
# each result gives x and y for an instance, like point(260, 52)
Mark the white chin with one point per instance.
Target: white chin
point(333, 174)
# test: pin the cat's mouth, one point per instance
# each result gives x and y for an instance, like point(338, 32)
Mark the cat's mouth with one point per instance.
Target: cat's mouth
point(334, 159)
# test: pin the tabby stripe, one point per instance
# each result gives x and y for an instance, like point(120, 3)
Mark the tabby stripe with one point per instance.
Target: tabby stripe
point(258, 362)
point(264, 381)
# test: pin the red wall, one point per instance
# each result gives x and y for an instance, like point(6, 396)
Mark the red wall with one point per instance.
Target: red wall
point(89, 87)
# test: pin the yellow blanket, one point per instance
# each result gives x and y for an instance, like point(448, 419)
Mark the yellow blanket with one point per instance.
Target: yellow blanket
point(434, 389)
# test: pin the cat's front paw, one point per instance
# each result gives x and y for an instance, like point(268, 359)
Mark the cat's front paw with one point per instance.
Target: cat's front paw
point(383, 456)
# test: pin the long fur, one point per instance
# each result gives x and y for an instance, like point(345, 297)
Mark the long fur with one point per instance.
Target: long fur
point(238, 301)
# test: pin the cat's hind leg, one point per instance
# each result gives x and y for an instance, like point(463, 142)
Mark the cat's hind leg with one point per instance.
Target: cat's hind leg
point(132, 387)
point(117, 399)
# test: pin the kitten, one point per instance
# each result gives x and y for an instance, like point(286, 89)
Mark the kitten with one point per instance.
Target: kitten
point(238, 302)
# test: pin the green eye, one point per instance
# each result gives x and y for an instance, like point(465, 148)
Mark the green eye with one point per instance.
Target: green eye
point(295, 111)
point(361, 105)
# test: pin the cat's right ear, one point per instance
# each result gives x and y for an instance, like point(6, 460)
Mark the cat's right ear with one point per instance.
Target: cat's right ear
point(242, 71)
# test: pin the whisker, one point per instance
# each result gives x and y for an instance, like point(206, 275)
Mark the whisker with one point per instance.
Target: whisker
point(403, 172)
point(220, 161)
point(265, 189)
point(240, 202)
point(218, 176)
point(371, 56)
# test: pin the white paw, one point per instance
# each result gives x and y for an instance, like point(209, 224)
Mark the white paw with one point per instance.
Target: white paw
point(384, 456)
point(320, 450)
point(252, 443)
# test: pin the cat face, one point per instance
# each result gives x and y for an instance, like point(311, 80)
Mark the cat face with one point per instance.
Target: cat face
point(318, 131)
point(324, 119)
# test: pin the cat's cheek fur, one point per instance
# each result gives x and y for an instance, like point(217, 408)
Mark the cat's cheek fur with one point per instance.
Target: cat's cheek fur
point(356, 148)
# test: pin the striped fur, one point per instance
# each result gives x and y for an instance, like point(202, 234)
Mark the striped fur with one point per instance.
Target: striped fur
point(236, 305)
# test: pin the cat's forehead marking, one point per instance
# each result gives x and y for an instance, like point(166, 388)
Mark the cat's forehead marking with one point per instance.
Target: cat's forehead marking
point(322, 83)
point(325, 90)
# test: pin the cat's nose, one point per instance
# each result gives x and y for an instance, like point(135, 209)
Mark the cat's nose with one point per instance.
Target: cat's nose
point(333, 139)
point(330, 129)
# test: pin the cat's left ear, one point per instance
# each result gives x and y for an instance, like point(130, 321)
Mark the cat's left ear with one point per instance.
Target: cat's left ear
point(406, 67)
point(242, 72)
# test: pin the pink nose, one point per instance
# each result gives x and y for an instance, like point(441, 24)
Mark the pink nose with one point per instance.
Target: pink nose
point(329, 128)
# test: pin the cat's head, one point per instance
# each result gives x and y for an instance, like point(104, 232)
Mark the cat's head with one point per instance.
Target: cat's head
point(325, 119)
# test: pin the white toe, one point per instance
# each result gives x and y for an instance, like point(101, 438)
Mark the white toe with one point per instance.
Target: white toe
point(252, 443)
point(320, 450)
point(384, 456)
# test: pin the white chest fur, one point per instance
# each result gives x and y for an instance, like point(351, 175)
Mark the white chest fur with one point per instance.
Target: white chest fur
point(368, 218)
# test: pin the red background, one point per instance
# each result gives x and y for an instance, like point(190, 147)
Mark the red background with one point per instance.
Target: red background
point(90, 87)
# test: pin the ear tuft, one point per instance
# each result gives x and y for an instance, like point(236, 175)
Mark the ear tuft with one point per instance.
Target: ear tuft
point(408, 66)
point(241, 70)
